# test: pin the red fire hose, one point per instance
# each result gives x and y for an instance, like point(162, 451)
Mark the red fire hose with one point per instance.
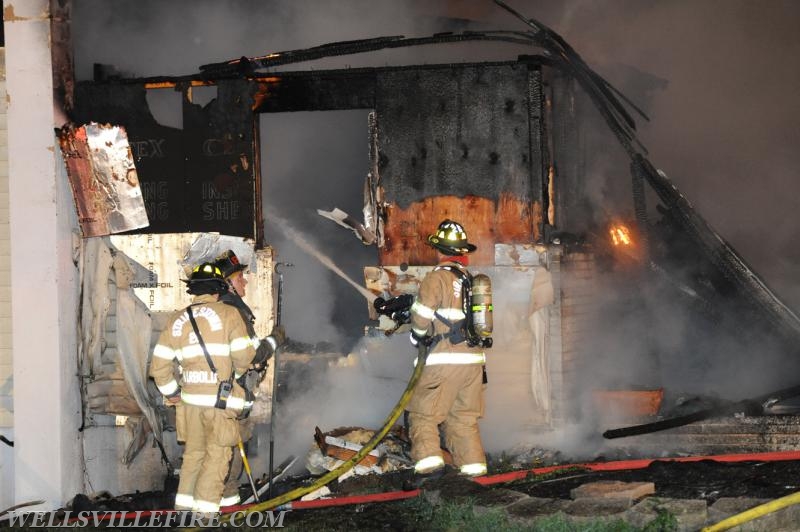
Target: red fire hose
point(619, 465)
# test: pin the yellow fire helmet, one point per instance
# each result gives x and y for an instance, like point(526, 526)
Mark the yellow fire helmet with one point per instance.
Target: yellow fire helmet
point(451, 239)
point(206, 278)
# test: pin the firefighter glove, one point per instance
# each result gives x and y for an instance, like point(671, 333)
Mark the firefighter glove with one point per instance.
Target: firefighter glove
point(266, 348)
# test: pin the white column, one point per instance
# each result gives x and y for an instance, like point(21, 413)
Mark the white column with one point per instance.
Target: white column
point(47, 454)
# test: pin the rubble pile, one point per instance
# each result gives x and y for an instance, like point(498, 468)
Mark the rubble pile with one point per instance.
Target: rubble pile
point(333, 448)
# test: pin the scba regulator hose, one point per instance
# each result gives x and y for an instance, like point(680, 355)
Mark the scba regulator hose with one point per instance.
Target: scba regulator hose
point(394, 415)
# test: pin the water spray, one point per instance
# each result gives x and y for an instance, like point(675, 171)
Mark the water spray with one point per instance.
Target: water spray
point(306, 246)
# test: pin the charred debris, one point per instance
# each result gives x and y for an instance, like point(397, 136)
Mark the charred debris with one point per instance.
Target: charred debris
point(506, 148)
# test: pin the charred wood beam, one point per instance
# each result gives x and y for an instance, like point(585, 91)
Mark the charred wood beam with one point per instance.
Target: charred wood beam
point(640, 207)
point(247, 66)
point(63, 71)
point(761, 299)
point(538, 148)
point(20, 505)
point(316, 91)
point(754, 406)
point(599, 90)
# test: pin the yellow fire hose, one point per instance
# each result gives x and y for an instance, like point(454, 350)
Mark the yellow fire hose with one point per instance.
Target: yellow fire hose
point(349, 464)
point(753, 513)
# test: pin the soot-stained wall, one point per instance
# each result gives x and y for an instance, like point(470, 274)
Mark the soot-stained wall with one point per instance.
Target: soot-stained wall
point(459, 131)
point(462, 141)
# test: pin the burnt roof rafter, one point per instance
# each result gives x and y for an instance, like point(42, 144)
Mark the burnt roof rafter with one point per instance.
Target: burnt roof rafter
point(245, 65)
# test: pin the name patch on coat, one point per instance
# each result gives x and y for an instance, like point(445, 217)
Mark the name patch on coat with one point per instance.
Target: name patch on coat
point(211, 317)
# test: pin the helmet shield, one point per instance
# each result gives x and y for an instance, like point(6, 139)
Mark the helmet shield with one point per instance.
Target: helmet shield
point(451, 239)
point(228, 263)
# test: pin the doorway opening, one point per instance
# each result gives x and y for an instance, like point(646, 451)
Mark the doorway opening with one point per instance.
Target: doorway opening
point(309, 161)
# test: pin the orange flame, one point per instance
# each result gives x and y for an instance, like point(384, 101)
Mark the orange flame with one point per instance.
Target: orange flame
point(620, 235)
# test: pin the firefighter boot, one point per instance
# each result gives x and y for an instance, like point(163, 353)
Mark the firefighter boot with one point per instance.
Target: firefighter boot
point(418, 480)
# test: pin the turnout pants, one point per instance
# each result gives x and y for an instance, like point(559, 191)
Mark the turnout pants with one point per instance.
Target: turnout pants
point(230, 494)
point(210, 435)
point(451, 395)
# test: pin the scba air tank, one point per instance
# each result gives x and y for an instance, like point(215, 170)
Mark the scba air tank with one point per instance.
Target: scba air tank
point(482, 322)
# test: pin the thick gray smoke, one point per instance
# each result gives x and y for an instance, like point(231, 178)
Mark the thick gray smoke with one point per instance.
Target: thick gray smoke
point(724, 125)
point(720, 88)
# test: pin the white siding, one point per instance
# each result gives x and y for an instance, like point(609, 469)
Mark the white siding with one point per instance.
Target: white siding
point(6, 381)
point(6, 369)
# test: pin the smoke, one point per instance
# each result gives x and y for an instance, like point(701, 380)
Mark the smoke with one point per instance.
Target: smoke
point(359, 390)
point(719, 85)
point(722, 119)
point(152, 38)
point(723, 125)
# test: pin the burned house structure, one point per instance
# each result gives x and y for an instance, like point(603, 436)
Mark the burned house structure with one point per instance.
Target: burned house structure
point(597, 303)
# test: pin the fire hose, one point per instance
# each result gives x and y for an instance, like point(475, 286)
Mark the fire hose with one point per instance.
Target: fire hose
point(754, 513)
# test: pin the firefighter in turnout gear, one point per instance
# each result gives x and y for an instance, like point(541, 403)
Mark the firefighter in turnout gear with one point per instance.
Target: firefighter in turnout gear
point(209, 340)
point(233, 271)
point(450, 390)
